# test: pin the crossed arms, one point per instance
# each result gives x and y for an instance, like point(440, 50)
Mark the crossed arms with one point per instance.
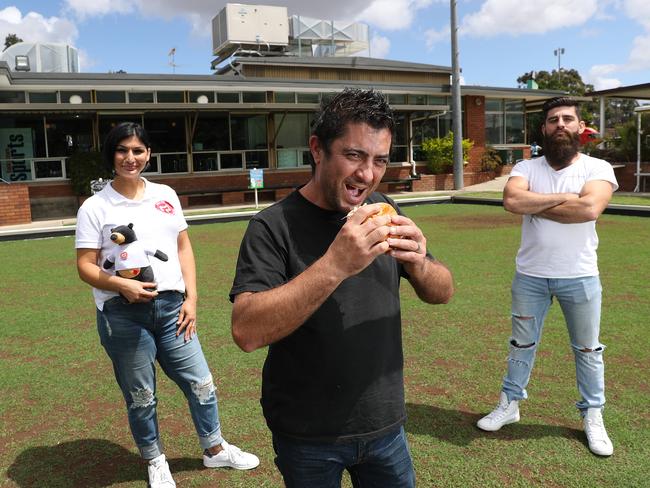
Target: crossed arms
point(565, 208)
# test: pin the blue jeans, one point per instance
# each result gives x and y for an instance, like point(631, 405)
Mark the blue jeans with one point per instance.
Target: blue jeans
point(580, 300)
point(134, 337)
point(384, 462)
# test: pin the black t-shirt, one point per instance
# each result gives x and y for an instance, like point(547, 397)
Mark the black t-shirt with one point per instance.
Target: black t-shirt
point(339, 376)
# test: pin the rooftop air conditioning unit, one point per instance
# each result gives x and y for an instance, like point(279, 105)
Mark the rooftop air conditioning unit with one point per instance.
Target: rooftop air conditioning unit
point(259, 27)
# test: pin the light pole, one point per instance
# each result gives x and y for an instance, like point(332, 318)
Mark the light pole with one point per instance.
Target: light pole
point(559, 52)
point(456, 106)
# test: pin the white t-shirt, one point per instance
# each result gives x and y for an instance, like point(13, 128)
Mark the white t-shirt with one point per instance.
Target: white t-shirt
point(157, 220)
point(551, 249)
point(131, 256)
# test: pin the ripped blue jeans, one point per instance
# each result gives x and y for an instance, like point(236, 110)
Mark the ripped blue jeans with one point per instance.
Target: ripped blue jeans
point(134, 337)
point(580, 300)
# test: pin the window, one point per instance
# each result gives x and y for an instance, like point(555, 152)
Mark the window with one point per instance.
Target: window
point(223, 142)
point(494, 128)
point(308, 98)
point(173, 163)
point(168, 147)
point(107, 122)
point(426, 125)
point(141, 97)
point(48, 169)
point(201, 97)
point(67, 134)
point(42, 97)
point(327, 96)
point(170, 97)
point(493, 105)
point(431, 100)
point(285, 97)
point(504, 121)
point(111, 97)
point(211, 133)
point(397, 99)
point(75, 97)
point(417, 99)
point(12, 97)
point(399, 148)
point(22, 138)
point(248, 132)
point(292, 139)
point(166, 131)
point(514, 128)
point(254, 97)
point(228, 97)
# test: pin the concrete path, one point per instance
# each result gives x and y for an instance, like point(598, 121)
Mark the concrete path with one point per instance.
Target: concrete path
point(496, 184)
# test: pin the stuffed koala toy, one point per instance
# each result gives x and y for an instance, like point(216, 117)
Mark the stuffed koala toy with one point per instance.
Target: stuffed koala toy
point(130, 257)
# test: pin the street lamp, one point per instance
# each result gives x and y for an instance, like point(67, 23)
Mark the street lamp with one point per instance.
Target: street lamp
point(559, 52)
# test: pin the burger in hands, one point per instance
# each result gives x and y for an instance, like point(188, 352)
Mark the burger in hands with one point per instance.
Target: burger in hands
point(385, 209)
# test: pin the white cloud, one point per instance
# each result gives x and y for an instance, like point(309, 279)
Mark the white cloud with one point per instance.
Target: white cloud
point(379, 47)
point(639, 59)
point(638, 10)
point(333, 9)
point(598, 76)
point(606, 83)
point(33, 27)
point(86, 62)
point(433, 37)
point(517, 17)
point(392, 14)
point(385, 14)
point(640, 54)
point(85, 8)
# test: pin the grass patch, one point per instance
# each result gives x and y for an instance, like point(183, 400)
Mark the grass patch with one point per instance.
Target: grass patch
point(626, 199)
point(63, 420)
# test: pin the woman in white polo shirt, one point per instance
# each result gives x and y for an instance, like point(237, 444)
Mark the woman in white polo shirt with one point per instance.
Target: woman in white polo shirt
point(141, 321)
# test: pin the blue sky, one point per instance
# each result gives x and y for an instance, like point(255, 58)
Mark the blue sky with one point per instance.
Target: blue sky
point(607, 41)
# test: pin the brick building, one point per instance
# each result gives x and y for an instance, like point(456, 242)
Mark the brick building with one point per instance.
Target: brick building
point(208, 131)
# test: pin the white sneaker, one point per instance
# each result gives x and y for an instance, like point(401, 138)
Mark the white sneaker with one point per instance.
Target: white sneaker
point(599, 442)
point(504, 413)
point(159, 475)
point(230, 457)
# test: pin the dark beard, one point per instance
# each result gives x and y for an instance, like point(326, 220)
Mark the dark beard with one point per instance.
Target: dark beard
point(559, 149)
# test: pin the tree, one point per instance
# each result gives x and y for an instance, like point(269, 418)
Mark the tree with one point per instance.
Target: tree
point(10, 40)
point(568, 80)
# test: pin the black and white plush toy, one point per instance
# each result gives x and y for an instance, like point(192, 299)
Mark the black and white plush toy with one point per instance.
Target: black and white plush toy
point(130, 258)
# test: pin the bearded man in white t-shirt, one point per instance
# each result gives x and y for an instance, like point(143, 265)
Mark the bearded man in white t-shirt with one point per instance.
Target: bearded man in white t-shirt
point(560, 195)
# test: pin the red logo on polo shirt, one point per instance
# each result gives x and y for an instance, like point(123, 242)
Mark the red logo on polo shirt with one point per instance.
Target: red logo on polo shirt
point(165, 206)
point(124, 255)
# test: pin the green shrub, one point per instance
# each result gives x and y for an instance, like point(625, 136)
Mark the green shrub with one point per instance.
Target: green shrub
point(83, 167)
point(440, 153)
point(490, 160)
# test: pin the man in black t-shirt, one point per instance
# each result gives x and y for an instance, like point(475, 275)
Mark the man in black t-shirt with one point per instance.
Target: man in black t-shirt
point(321, 289)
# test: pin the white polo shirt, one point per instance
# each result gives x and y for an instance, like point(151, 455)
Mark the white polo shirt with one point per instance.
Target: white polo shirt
point(552, 249)
point(157, 220)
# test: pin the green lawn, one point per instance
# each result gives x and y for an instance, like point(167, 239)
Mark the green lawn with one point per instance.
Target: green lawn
point(624, 199)
point(63, 421)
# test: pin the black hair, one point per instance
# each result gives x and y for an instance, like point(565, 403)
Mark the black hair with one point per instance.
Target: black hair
point(117, 134)
point(560, 102)
point(355, 106)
